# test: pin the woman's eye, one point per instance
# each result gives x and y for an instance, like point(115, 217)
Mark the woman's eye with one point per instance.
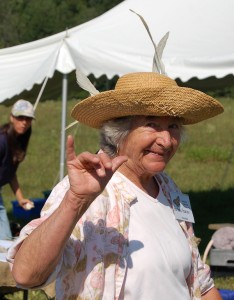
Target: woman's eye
point(174, 126)
point(152, 125)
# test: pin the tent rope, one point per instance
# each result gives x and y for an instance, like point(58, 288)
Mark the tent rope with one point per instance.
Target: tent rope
point(40, 93)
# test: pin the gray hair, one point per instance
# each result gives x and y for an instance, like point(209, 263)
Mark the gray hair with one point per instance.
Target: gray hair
point(114, 131)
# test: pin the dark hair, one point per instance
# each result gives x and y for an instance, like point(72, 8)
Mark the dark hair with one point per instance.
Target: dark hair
point(18, 144)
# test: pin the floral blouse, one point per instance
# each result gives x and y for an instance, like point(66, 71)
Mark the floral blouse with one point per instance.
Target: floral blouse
point(99, 242)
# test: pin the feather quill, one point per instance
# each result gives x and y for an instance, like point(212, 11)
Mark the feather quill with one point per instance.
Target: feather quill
point(160, 48)
point(158, 65)
point(84, 82)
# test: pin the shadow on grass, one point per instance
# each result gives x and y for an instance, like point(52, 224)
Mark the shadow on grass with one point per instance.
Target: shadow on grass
point(211, 207)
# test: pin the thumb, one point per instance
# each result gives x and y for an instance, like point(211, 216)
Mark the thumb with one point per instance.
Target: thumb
point(70, 148)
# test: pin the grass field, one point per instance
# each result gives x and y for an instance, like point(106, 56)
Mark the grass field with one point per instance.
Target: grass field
point(203, 166)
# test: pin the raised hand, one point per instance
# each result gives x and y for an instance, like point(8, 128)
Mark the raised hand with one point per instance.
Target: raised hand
point(89, 173)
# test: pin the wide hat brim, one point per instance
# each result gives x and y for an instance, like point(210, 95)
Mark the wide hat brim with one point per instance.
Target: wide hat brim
point(192, 106)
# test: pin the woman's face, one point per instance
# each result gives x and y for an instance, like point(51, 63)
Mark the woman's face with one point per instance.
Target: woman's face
point(151, 144)
point(21, 124)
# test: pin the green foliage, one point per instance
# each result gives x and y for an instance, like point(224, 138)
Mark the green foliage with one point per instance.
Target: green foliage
point(9, 23)
point(215, 87)
point(227, 91)
point(32, 295)
point(23, 21)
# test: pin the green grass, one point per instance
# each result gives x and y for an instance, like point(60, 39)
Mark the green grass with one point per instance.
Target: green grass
point(32, 295)
point(226, 283)
point(203, 166)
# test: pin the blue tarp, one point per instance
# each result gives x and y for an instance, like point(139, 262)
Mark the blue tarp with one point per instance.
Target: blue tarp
point(227, 294)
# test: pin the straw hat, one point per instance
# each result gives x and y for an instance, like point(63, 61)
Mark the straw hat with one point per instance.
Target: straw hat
point(146, 93)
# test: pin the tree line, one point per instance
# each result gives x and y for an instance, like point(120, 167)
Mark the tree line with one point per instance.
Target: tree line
point(23, 21)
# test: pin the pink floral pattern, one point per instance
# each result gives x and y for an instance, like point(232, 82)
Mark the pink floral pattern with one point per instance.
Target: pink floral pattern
point(100, 241)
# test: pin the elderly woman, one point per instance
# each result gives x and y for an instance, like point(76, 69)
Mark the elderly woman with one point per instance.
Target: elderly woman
point(117, 227)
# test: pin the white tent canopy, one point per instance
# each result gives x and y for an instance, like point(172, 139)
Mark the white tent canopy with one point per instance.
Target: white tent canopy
point(201, 44)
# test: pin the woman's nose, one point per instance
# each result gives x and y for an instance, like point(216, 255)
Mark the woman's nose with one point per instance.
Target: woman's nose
point(164, 139)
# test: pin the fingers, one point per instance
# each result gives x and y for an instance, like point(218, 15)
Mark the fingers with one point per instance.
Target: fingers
point(101, 162)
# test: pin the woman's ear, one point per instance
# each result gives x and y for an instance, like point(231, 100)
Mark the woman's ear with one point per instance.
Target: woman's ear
point(11, 118)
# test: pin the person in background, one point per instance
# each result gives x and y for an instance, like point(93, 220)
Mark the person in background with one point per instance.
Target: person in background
point(14, 139)
point(118, 227)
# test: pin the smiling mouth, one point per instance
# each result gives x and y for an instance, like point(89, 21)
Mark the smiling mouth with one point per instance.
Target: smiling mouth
point(154, 153)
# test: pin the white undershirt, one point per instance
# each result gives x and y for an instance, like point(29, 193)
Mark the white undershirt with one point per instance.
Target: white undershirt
point(159, 255)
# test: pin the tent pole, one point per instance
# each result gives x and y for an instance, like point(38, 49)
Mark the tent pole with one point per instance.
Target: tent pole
point(63, 126)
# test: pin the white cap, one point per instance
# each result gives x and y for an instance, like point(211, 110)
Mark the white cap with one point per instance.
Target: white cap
point(23, 108)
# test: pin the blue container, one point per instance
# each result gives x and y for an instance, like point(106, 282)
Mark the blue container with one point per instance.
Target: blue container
point(227, 294)
point(20, 213)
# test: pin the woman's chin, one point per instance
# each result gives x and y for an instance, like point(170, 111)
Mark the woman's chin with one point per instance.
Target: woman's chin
point(154, 168)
